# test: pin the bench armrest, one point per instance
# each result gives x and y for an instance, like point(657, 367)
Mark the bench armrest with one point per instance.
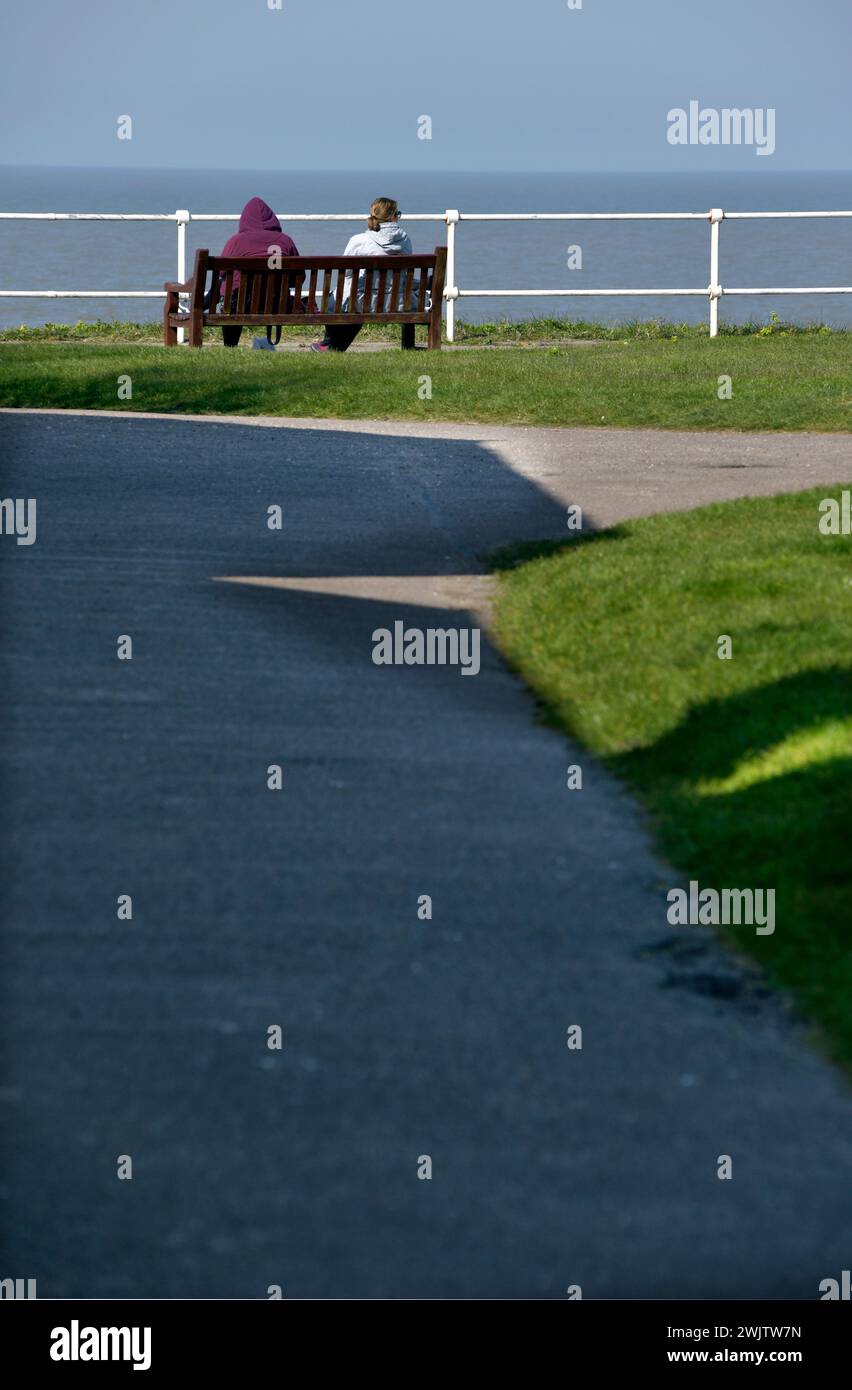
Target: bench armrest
point(174, 286)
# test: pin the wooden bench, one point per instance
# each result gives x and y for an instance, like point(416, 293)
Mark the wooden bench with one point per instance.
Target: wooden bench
point(308, 290)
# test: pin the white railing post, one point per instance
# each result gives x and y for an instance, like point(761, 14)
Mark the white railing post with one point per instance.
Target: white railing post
point(451, 292)
point(717, 216)
point(182, 216)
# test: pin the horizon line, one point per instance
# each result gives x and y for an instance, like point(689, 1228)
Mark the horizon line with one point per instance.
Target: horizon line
point(258, 169)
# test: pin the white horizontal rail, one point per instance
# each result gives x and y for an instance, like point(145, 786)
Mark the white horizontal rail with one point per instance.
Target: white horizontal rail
point(713, 291)
point(626, 216)
point(730, 216)
point(595, 294)
point(802, 289)
point(91, 216)
point(317, 217)
point(205, 216)
point(81, 294)
point(588, 294)
point(582, 216)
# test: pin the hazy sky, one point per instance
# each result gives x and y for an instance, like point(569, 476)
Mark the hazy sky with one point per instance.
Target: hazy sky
point(334, 84)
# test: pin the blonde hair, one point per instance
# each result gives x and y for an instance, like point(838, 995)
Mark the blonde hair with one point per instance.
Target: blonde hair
point(382, 210)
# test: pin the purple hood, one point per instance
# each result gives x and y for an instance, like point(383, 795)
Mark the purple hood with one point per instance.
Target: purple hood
point(259, 229)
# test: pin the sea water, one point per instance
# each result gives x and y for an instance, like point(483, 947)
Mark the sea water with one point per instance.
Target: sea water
point(513, 255)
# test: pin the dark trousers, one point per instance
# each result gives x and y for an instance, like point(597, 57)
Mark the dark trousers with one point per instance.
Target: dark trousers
point(232, 334)
point(339, 336)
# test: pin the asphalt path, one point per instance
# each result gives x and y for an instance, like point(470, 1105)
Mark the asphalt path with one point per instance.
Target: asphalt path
point(401, 1038)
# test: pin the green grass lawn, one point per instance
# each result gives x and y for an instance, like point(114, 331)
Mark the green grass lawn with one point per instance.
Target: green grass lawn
point(746, 764)
point(503, 331)
point(793, 382)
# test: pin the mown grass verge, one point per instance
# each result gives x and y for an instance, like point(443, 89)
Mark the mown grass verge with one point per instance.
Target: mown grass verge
point(745, 764)
point(790, 383)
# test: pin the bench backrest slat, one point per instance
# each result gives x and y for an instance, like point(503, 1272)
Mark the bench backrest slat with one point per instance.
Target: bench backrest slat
point(299, 282)
point(229, 289)
point(380, 291)
point(312, 291)
point(368, 292)
point(338, 294)
point(240, 286)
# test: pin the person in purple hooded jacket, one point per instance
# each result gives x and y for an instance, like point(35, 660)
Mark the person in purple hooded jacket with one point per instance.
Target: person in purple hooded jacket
point(259, 235)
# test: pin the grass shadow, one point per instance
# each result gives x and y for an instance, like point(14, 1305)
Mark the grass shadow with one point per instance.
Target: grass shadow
point(509, 557)
point(755, 791)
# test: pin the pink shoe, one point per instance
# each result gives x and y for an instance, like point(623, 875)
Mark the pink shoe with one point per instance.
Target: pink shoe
point(320, 347)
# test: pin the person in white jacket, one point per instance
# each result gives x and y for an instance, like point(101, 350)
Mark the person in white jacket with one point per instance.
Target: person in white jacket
point(383, 237)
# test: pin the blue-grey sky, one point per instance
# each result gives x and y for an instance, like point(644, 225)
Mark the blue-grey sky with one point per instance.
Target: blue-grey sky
point(334, 84)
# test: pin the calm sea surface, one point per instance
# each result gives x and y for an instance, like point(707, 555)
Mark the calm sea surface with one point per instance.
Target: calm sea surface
point(140, 256)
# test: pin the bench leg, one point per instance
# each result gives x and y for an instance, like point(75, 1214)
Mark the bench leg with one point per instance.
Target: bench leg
point(408, 336)
point(169, 331)
point(435, 331)
point(196, 330)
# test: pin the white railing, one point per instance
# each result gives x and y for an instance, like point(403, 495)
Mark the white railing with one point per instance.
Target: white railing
point(452, 218)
